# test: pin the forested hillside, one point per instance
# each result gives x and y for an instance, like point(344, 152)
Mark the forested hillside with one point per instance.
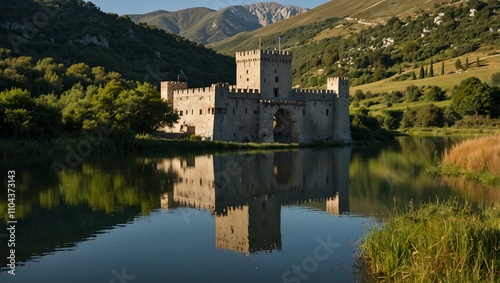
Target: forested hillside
point(379, 51)
point(75, 31)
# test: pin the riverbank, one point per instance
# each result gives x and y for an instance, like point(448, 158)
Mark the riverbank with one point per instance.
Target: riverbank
point(438, 242)
point(125, 143)
point(474, 159)
point(451, 131)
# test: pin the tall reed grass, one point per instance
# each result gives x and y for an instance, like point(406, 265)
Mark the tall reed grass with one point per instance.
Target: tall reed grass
point(477, 155)
point(439, 242)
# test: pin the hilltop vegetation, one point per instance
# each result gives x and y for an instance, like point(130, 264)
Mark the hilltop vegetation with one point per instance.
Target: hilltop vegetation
point(75, 31)
point(381, 51)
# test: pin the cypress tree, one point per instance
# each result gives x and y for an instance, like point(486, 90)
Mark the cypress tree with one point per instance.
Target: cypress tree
point(422, 74)
point(466, 62)
point(442, 68)
point(431, 71)
point(426, 71)
point(413, 76)
point(477, 62)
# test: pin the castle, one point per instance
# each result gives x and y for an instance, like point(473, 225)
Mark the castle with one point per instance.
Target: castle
point(263, 106)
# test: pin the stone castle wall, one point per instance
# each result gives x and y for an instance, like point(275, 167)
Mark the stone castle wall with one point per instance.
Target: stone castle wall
point(245, 112)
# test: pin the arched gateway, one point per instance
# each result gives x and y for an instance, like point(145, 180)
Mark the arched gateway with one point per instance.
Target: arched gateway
point(282, 126)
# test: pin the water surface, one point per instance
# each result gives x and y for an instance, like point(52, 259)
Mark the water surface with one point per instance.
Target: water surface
point(269, 216)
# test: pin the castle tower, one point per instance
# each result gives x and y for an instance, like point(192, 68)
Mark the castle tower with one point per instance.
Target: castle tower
point(342, 124)
point(339, 85)
point(167, 90)
point(268, 71)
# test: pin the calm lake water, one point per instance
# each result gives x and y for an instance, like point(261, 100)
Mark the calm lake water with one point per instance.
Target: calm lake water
point(267, 216)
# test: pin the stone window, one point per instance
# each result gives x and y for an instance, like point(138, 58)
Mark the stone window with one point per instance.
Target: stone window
point(276, 92)
point(277, 79)
point(208, 111)
point(180, 113)
point(246, 110)
point(234, 111)
point(326, 112)
point(192, 112)
point(201, 111)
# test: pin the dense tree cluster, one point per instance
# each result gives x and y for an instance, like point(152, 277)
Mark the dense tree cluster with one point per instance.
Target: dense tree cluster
point(473, 97)
point(474, 103)
point(46, 99)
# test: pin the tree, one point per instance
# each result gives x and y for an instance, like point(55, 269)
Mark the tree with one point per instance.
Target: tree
point(431, 70)
point(435, 93)
point(466, 62)
point(458, 64)
point(478, 64)
point(442, 68)
point(413, 93)
point(143, 111)
point(495, 79)
point(422, 74)
point(408, 119)
point(413, 76)
point(24, 117)
point(473, 97)
point(429, 116)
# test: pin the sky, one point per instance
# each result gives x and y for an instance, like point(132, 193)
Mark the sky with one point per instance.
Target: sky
point(122, 7)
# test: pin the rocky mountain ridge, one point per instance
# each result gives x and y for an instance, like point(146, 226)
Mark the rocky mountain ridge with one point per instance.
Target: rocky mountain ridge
point(205, 26)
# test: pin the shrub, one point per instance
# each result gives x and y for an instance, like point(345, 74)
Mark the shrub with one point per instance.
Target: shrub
point(195, 138)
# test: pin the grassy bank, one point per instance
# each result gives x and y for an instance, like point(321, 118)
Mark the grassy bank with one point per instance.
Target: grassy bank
point(439, 242)
point(475, 159)
point(140, 145)
point(452, 131)
point(125, 142)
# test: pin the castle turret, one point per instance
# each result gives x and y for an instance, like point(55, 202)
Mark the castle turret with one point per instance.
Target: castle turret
point(268, 71)
point(342, 124)
point(167, 90)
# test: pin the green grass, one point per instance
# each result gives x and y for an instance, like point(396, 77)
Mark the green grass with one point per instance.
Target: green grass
point(486, 178)
point(490, 64)
point(439, 242)
point(139, 144)
point(451, 131)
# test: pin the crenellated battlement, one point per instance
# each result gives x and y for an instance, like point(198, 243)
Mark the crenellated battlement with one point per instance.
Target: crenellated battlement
point(201, 90)
point(263, 55)
point(234, 90)
point(312, 91)
point(175, 84)
point(258, 52)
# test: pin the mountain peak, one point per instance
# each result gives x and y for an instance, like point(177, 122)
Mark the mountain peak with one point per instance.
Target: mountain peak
point(208, 26)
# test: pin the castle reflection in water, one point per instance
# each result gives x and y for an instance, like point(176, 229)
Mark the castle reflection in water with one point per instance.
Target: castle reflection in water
point(245, 192)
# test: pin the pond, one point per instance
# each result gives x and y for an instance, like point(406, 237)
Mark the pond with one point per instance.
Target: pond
point(262, 216)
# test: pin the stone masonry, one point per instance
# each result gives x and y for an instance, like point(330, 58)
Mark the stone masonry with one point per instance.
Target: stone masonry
point(262, 106)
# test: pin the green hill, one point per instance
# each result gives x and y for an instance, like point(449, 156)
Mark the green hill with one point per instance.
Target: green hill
point(373, 40)
point(74, 31)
